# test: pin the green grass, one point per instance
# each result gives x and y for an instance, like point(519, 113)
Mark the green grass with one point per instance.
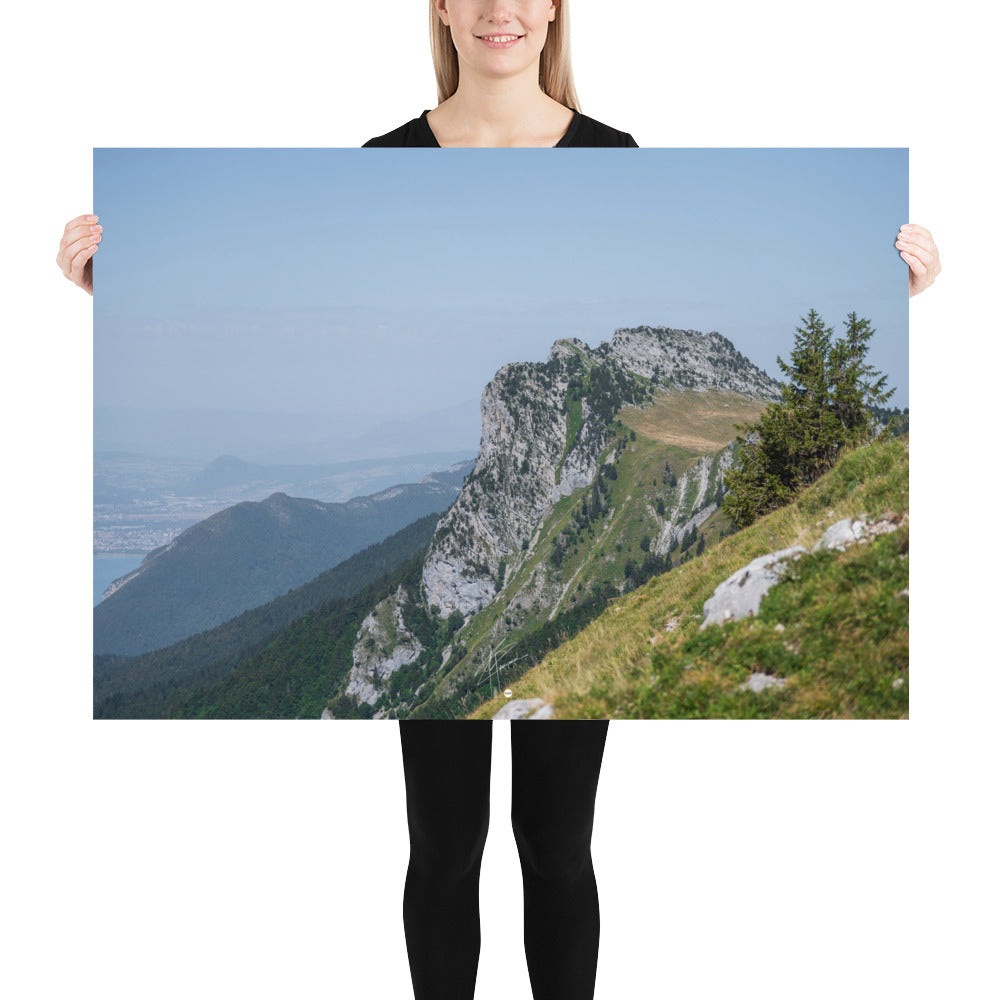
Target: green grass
point(844, 649)
point(574, 421)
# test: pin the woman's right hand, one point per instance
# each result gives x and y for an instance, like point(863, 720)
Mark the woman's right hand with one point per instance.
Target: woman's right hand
point(79, 243)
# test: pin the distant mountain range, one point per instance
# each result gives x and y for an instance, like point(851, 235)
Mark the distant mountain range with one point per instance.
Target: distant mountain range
point(125, 478)
point(334, 483)
point(248, 554)
point(199, 436)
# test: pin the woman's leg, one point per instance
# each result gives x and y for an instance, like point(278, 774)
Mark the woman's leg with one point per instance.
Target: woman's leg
point(447, 769)
point(555, 770)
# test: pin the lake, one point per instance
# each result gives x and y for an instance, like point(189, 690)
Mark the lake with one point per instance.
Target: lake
point(109, 566)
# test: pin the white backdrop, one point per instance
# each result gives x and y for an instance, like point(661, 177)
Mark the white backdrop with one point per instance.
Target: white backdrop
point(260, 860)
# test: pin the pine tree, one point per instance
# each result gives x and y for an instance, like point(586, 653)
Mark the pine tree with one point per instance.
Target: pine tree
point(753, 483)
point(824, 409)
point(855, 387)
point(809, 429)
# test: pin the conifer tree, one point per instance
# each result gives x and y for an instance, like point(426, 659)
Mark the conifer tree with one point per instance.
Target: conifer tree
point(809, 430)
point(824, 408)
point(856, 387)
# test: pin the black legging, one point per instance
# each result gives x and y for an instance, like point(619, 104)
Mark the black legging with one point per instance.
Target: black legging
point(555, 771)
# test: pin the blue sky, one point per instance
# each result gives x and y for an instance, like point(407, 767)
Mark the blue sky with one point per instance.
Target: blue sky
point(397, 281)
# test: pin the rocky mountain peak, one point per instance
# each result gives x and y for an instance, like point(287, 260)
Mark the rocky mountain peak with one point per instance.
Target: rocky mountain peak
point(567, 347)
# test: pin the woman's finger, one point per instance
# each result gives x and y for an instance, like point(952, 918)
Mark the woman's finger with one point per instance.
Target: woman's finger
point(80, 240)
point(81, 220)
point(76, 227)
point(921, 275)
point(80, 273)
point(81, 258)
point(72, 234)
point(908, 240)
point(916, 265)
point(69, 253)
point(926, 257)
point(917, 247)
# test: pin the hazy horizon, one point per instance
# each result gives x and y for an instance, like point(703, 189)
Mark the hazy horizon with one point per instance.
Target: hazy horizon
point(283, 438)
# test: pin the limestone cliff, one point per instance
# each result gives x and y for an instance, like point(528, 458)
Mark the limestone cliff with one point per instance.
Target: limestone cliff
point(383, 645)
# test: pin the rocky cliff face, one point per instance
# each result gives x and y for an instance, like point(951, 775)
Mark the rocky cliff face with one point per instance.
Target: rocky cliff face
point(688, 360)
point(523, 466)
point(695, 499)
point(383, 645)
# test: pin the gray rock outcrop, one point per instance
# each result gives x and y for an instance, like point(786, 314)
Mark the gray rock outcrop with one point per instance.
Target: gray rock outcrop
point(525, 708)
point(692, 360)
point(740, 594)
point(694, 489)
point(383, 645)
point(849, 531)
point(758, 682)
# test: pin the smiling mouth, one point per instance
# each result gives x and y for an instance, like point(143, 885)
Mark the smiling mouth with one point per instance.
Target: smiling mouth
point(499, 41)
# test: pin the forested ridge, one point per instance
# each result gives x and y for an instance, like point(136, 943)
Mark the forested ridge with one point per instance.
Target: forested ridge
point(248, 554)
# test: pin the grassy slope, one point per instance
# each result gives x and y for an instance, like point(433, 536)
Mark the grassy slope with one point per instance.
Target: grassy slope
point(700, 422)
point(844, 649)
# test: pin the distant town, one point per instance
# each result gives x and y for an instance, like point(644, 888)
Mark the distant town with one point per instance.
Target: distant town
point(143, 525)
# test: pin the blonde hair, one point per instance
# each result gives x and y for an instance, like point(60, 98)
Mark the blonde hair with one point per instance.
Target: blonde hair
point(555, 75)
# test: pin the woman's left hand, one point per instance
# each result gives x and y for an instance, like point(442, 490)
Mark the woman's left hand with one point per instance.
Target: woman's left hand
point(916, 246)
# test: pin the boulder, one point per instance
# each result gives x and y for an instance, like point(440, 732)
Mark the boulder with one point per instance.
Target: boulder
point(525, 708)
point(740, 594)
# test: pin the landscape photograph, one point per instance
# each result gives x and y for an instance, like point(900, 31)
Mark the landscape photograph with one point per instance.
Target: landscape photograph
point(380, 434)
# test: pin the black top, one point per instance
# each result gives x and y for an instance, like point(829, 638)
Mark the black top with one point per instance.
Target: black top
point(582, 131)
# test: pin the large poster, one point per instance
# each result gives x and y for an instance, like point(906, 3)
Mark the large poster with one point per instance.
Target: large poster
point(383, 434)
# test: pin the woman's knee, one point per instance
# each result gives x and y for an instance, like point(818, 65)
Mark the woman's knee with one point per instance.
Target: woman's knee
point(553, 851)
point(449, 851)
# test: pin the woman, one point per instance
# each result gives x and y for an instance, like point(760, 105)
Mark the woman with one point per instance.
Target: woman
point(504, 79)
